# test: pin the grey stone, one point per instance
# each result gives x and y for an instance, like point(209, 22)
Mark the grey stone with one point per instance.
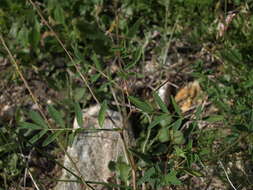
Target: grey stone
point(93, 150)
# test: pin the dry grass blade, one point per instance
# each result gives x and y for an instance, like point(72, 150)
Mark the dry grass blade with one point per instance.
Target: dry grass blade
point(34, 182)
point(230, 182)
point(23, 79)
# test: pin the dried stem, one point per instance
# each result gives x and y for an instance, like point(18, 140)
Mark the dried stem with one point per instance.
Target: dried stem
point(230, 182)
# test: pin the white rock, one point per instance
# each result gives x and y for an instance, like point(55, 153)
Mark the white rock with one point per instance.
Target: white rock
point(93, 150)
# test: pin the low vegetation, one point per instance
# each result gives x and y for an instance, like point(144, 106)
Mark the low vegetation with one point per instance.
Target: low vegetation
point(59, 57)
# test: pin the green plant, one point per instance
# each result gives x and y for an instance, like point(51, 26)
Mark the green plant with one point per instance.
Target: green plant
point(87, 52)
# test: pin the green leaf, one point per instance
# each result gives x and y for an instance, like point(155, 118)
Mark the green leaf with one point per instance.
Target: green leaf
point(160, 103)
point(102, 113)
point(142, 156)
point(35, 34)
point(144, 106)
point(232, 55)
point(180, 152)
point(23, 36)
point(96, 61)
point(124, 170)
point(51, 138)
point(14, 29)
point(51, 4)
point(95, 77)
point(166, 122)
point(248, 84)
point(79, 93)
point(36, 137)
point(35, 116)
point(79, 114)
point(215, 118)
point(177, 137)
point(172, 179)
point(163, 135)
point(158, 120)
point(79, 56)
point(175, 106)
point(147, 176)
point(193, 172)
point(134, 28)
point(56, 115)
point(136, 56)
point(177, 124)
point(59, 15)
point(26, 125)
point(8, 147)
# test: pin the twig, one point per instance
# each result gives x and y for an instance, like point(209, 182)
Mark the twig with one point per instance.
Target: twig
point(23, 79)
point(107, 77)
point(26, 160)
point(34, 182)
point(147, 136)
point(124, 113)
point(230, 182)
point(164, 83)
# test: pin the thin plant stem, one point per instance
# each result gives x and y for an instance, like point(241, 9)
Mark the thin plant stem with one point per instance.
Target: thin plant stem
point(34, 182)
point(230, 182)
